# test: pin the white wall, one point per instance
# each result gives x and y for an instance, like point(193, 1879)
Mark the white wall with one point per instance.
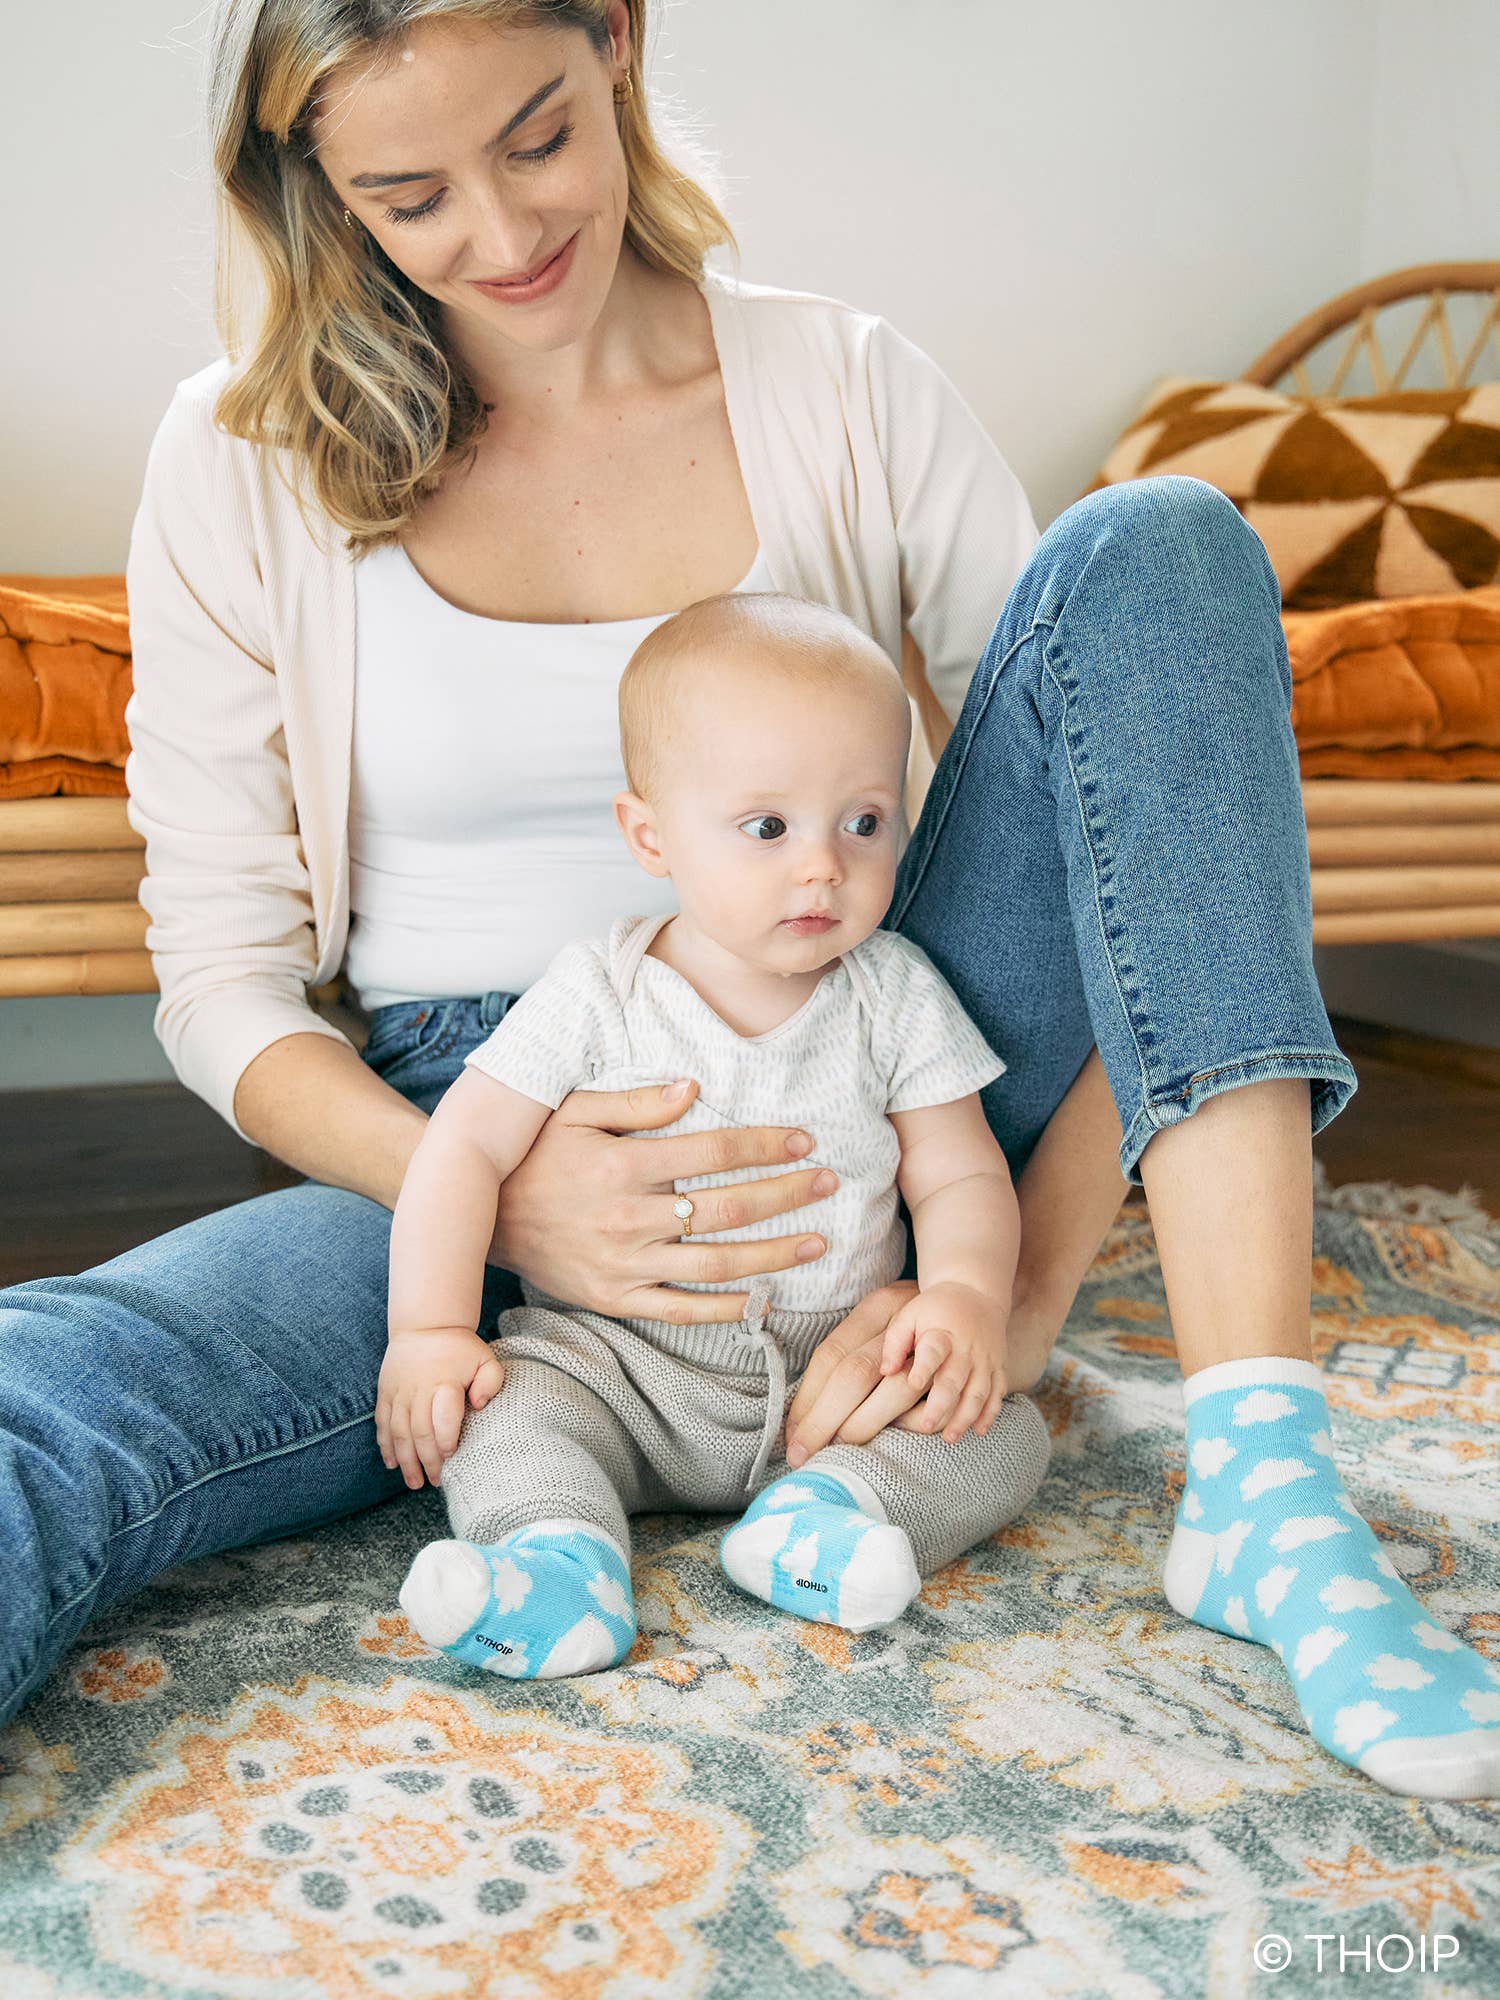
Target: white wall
point(106, 267)
point(1059, 203)
point(1433, 187)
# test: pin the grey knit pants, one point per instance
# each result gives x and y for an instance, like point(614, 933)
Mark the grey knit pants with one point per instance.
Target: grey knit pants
point(603, 1418)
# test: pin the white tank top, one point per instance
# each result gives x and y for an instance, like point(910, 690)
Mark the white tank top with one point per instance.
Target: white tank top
point(486, 752)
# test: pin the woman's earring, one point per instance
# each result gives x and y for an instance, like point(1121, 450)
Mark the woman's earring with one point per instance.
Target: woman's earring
point(348, 220)
point(624, 88)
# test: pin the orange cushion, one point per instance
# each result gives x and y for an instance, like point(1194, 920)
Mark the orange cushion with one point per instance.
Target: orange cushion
point(1408, 688)
point(64, 682)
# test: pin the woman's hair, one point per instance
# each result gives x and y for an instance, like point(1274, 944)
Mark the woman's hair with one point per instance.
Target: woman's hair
point(348, 370)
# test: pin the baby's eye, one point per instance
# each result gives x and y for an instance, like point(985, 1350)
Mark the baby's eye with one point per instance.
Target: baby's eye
point(765, 826)
point(866, 825)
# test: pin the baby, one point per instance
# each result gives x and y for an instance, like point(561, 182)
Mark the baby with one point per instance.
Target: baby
point(765, 744)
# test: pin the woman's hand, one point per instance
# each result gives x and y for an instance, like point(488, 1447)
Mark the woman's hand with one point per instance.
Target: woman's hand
point(587, 1216)
point(842, 1392)
point(844, 1395)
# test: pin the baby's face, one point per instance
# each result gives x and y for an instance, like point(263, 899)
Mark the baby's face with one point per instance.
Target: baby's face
point(782, 820)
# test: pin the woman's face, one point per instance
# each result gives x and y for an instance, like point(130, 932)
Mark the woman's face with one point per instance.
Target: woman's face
point(476, 156)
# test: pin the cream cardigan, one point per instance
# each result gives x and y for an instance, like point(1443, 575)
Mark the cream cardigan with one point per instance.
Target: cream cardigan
point(873, 488)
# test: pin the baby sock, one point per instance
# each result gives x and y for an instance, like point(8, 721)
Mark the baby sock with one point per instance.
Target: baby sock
point(548, 1600)
point(1269, 1546)
point(818, 1543)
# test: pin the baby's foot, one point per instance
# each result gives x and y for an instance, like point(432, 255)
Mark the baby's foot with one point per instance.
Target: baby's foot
point(818, 1544)
point(1269, 1546)
point(548, 1600)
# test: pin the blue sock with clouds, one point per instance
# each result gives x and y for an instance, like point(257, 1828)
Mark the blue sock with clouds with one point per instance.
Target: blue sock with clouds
point(1270, 1547)
point(546, 1601)
point(818, 1544)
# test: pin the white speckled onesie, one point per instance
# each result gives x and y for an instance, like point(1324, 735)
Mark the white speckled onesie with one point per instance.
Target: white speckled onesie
point(601, 1418)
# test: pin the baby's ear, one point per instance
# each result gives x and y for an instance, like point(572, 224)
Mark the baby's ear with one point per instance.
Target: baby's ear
point(637, 822)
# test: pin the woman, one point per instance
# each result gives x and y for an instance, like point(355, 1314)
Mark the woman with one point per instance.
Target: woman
point(496, 417)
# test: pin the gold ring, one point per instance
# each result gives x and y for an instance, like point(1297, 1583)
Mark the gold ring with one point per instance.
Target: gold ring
point(683, 1209)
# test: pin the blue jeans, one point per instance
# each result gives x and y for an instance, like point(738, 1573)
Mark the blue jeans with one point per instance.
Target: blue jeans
point(1112, 853)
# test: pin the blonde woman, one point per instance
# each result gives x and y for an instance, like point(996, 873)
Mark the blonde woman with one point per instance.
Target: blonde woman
point(493, 422)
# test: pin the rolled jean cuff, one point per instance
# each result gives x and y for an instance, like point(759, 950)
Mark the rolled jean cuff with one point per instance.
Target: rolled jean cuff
point(1331, 1075)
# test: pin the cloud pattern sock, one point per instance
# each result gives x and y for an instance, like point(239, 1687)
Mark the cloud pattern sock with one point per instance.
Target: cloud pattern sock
point(548, 1600)
point(818, 1544)
point(1269, 1546)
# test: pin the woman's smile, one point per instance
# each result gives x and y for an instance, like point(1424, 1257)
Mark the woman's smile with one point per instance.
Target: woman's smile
point(543, 278)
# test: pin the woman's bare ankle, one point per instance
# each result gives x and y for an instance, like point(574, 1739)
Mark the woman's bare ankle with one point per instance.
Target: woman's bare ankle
point(1030, 1337)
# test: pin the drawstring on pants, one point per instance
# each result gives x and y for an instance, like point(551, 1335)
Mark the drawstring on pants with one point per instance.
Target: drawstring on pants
point(757, 1305)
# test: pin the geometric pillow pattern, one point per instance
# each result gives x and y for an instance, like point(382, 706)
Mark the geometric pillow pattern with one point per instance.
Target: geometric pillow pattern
point(1366, 496)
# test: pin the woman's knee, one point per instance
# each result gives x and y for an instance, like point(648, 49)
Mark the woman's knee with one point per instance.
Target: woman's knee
point(1165, 610)
point(1170, 529)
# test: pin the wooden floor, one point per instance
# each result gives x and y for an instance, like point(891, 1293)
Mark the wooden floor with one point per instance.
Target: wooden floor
point(1426, 1113)
point(85, 1174)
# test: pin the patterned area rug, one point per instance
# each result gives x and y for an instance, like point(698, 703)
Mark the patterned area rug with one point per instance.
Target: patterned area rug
point(254, 1780)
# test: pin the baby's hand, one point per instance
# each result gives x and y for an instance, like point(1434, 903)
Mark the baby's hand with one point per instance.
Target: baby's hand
point(425, 1379)
point(953, 1338)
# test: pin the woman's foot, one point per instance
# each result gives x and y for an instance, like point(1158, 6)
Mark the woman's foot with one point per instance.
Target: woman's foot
point(548, 1600)
point(818, 1544)
point(1269, 1546)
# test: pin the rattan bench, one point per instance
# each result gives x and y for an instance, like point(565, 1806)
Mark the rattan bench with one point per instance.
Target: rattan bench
point(1408, 860)
point(69, 918)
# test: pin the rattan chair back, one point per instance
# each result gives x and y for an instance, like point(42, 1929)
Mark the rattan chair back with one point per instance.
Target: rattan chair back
point(1431, 326)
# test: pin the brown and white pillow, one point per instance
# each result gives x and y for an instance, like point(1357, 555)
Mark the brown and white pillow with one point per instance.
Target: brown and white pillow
point(1370, 496)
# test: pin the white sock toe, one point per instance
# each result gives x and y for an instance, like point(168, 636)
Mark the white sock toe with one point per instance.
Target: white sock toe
point(1462, 1766)
point(880, 1581)
point(445, 1590)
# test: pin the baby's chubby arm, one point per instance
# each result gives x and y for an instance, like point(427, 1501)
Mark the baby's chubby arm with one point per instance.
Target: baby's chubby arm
point(967, 1228)
point(435, 1359)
